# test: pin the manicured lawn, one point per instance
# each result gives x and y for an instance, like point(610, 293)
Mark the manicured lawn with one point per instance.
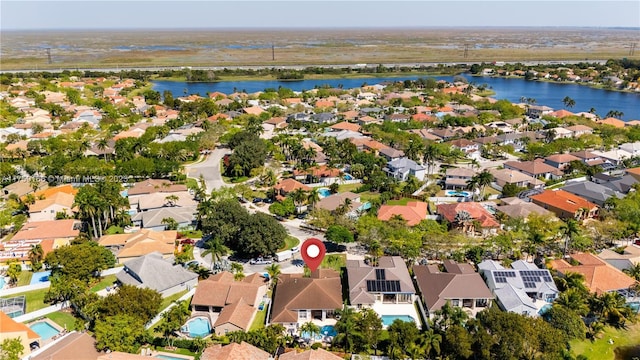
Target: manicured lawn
point(192, 183)
point(368, 196)
point(170, 299)
point(348, 187)
point(258, 321)
point(114, 230)
point(106, 281)
point(289, 242)
point(64, 319)
point(192, 234)
point(626, 344)
point(34, 299)
point(24, 278)
point(402, 201)
point(334, 261)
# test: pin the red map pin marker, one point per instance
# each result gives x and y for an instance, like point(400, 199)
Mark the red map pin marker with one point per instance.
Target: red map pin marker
point(312, 252)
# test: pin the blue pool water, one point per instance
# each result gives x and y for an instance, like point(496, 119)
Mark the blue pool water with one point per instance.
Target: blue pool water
point(324, 192)
point(2, 282)
point(544, 309)
point(348, 177)
point(45, 330)
point(635, 306)
point(328, 330)
point(40, 277)
point(458, 193)
point(168, 357)
point(198, 327)
point(388, 319)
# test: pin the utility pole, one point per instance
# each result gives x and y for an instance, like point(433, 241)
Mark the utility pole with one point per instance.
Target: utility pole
point(273, 52)
point(632, 49)
point(466, 51)
point(49, 55)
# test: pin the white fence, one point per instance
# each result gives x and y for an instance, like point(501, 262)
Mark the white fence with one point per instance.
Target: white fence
point(40, 313)
point(334, 180)
point(438, 200)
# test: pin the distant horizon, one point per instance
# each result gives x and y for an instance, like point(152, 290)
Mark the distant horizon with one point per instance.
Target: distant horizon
point(309, 14)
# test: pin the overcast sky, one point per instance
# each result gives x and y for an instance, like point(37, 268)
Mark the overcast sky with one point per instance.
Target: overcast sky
point(91, 14)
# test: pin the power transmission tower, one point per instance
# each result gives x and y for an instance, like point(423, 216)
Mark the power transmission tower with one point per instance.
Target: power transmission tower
point(49, 55)
point(273, 52)
point(466, 51)
point(632, 49)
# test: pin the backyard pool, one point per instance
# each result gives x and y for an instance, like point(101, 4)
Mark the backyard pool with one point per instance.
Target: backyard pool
point(324, 192)
point(388, 319)
point(44, 329)
point(197, 327)
point(348, 177)
point(2, 282)
point(40, 277)
point(327, 330)
point(457, 193)
point(635, 306)
point(168, 357)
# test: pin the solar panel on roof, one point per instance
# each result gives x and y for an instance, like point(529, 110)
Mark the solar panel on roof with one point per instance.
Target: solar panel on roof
point(383, 285)
point(380, 274)
point(529, 285)
point(501, 280)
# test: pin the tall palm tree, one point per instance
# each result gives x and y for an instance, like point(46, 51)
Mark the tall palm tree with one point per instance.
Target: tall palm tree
point(216, 248)
point(430, 155)
point(482, 180)
point(346, 328)
point(572, 280)
point(462, 220)
point(274, 273)
point(568, 102)
point(633, 271)
point(612, 307)
point(311, 329)
point(431, 342)
point(570, 230)
point(313, 197)
point(298, 196)
point(36, 254)
point(573, 299)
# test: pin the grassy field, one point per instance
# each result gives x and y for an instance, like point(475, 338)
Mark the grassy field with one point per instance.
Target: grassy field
point(64, 319)
point(34, 299)
point(401, 201)
point(626, 345)
point(168, 300)
point(348, 187)
point(24, 278)
point(104, 282)
point(289, 242)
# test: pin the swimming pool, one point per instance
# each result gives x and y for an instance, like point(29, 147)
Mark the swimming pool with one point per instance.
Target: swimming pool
point(2, 282)
point(197, 327)
point(544, 309)
point(40, 277)
point(635, 306)
point(44, 329)
point(168, 357)
point(328, 330)
point(324, 192)
point(457, 193)
point(348, 177)
point(388, 319)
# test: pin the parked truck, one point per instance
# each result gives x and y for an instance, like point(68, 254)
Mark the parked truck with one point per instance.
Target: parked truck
point(283, 255)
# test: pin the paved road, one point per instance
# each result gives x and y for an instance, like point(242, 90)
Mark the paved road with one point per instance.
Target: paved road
point(209, 169)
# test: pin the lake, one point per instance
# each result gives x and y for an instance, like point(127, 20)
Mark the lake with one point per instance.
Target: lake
point(545, 93)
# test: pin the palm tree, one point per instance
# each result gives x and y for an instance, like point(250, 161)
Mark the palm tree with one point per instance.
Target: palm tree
point(568, 102)
point(216, 248)
point(375, 251)
point(313, 197)
point(462, 220)
point(274, 273)
point(573, 299)
point(346, 328)
point(36, 254)
point(572, 280)
point(633, 271)
point(311, 329)
point(430, 155)
point(613, 307)
point(570, 230)
point(431, 342)
point(482, 180)
point(449, 315)
point(344, 207)
point(298, 196)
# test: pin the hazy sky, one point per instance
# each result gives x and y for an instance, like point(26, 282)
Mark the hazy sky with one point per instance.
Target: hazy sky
point(90, 14)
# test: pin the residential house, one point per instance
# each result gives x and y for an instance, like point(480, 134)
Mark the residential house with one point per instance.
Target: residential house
point(632, 148)
point(517, 208)
point(300, 299)
point(612, 121)
point(391, 154)
point(524, 289)
point(588, 157)
point(458, 284)
point(11, 329)
point(50, 235)
point(536, 111)
point(323, 118)
point(622, 184)
point(565, 204)
point(333, 202)
point(444, 134)
point(185, 217)
point(615, 156)
point(49, 208)
point(151, 186)
point(560, 161)
point(152, 271)
point(595, 193)
point(73, 346)
point(386, 288)
point(561, 133)
point(503, 177)
point(629, 257)
point(398, 117)
point(312, 354)
point(413, 212)
point(425, 134)
point(344, 125)
point(467, 146)
point(579, 130)
point(234, 351)
point(140, 243)
point(562, 113)
point(458, 178)
point(275, 123)
point(599, 276)
point(501, 126)
point(634, 172)
point(161, 200)
point(287, 186)
point(322, 173)
point(402, 168)
point(536, 169)
point(22, 188)
point(477, 215)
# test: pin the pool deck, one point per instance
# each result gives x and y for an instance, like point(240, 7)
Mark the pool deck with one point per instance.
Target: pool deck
point(397, 310)
point(153, 354)
point(61, 331)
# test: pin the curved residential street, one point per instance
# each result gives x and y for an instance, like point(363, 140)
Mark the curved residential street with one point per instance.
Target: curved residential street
point(209, 168)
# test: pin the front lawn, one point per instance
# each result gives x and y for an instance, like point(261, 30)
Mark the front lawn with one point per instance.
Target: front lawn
point(104, 282)
point(626, 344)
point(64, 319)
point(289, 242)
point(334, 261)
point(191, 234)
point(34, 299)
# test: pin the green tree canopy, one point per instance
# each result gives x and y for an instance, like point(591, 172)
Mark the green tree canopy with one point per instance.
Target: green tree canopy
point(82, 262)
point(120, 333)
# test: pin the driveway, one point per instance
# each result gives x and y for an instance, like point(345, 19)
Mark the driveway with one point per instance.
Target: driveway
point(209, 169)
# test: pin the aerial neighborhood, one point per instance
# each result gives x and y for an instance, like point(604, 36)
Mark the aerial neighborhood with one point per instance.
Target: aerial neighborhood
point(140, 224)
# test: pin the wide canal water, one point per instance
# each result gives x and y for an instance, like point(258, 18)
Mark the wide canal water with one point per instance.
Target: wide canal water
point(545, 93)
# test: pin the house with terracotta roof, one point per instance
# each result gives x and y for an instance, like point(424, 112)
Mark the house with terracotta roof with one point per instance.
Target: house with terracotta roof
point(477, 215)
point(48, 234)
point(536, 169)
point(458, 178)
point(312, 354)
point(234, 351)
point(140, 243)
point(152, 271)
point(230, 305)
point(11, 329)
point(562, 113)
point(503, 177)
point(49, 208)
point(560, 161)
point(612, 121)
point(458, 284)
point(519, 209)
point(287, 186)
point(413, 212)
point(391, 154)
point(344, 125)
point(319, 173)
point(565, 204)
point(300, 299)
point(599, 276)
point(386, 288)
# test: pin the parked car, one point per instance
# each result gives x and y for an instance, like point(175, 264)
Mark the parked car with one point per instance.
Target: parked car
point(267, 201)
point(260, 261)
point(257, 200)
point(279, 218)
